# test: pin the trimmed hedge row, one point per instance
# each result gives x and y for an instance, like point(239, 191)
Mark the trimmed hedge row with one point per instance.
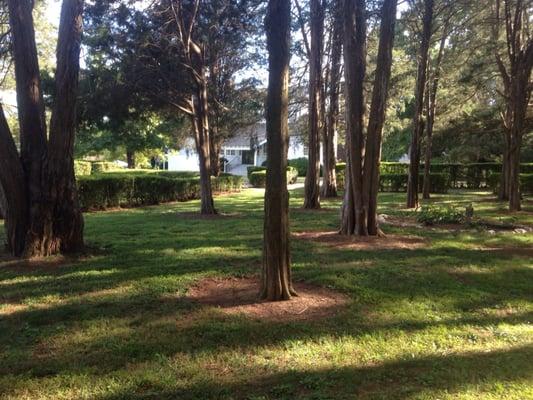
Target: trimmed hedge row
point(82, 168)
point(526, 182)
point(104, 166)
point(99, 192)
point(257, 176)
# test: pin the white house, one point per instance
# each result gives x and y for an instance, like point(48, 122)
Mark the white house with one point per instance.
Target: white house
point(246, 148)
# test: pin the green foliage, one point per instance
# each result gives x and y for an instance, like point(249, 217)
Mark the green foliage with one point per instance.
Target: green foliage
point(432, 215)
point(257, 176)
point(300, 164)
point(292, 174)
point(526, 182)
point(82, 168)
point(104, 166)
point(99, 192)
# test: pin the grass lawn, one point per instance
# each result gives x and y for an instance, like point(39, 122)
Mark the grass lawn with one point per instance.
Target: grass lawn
point(452, 319)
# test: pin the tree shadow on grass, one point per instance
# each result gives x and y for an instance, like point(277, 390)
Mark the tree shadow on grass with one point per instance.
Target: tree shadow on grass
point(399, 379)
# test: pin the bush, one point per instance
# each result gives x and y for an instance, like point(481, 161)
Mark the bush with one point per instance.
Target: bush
point(526, 183)
point(258, 178)
point(393, 182)
point(104, 166)
point(99, 192)
point(292, 174)
point(82, 168)
point(300, 164)
point(257, 181)
point(431, 215)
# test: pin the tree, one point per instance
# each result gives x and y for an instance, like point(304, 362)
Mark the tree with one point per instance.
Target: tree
point(330, 134)
point(434, 72)
point(39, 189)
point(515, 73)
point(359, 210)
point(418, 120)
point(312, 178)
point(276, 283)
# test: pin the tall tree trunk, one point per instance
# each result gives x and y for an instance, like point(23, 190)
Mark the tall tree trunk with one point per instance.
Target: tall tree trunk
point(418, 121)
point(354, 219)
point(201, 129)
point(276, 283)
point(13, 190)
point(54, 222)
point(431, 109)
point(378, 109)
point(32, 125)
point(516, 78)
point(312, 179)
point(215, 144)
point(329, 185)
point(130, 158)
point(61, 180)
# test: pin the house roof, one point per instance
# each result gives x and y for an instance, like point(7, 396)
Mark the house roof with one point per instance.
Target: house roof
point(246, 136)
point(253, 134)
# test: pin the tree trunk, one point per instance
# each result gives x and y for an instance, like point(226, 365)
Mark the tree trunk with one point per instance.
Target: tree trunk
point(378, 109)
point(517, 90)
point(418, 120)
point(53, 220)
point(312, 179)
point(61, 180)
point(130, 158)
point(354, 219)
point(215, 144)
point(431, 108)
point(13, 191)
point(329, 185)
point(276, 281)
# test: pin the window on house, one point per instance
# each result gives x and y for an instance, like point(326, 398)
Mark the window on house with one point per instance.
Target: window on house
point(231, 152)
point(306, 151)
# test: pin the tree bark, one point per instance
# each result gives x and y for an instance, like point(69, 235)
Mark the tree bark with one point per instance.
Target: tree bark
point(353, 215)
point(431, 108)
point(215, 144)
point(13, 190)
point(201, 129)
point(329, 185)
point(378, 109)
point(276, 283)
point(418, 120)
point(53, 220)
point(312, 179)
point(130, 158)
point(517, 91)
point(61, 181)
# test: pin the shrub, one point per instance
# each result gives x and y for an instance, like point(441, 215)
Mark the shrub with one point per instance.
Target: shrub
point(253, 169)
point(292, 174)
point(393, 182)
point(82, 168)
point(300, 164)
point(438, 182)
point(103, 166)
point(99, 192)
point(258, 178)
point(431, 215)
point(526, 183)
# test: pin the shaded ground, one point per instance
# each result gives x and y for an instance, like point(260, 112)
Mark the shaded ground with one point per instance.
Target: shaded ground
point(449, 319)
point(239, 296)
point(371, 243)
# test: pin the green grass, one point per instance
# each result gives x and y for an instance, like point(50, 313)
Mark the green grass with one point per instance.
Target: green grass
point(450, 320)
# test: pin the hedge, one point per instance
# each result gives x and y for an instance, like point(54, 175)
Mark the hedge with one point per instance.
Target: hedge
point(439, 183)
point(82, 168)
point(99, 192)
point(526, 182)
point(104, 166)
point(257, 176)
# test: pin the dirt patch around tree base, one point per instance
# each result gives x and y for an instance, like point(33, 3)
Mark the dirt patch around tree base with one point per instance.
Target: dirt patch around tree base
point(239, 296)
point(387, 242)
